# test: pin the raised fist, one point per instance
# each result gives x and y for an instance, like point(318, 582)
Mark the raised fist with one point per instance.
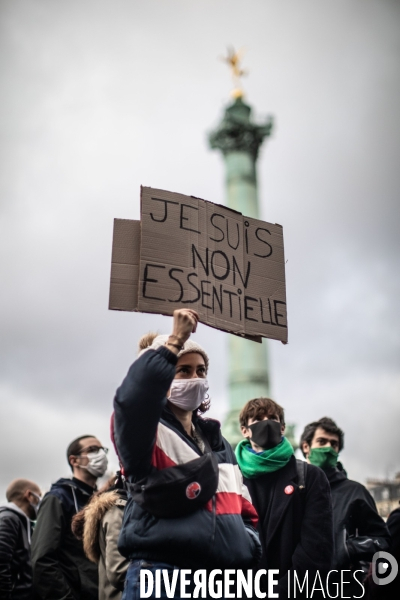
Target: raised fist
point(185, 323)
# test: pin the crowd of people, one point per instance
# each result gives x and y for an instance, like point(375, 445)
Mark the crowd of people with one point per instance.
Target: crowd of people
point(183, 499)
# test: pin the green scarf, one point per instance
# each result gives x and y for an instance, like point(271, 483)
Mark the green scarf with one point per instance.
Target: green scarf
point(253, 465)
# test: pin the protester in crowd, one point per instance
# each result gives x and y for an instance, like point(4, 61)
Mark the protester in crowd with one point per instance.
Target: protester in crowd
point(98, 525)
point(292, 498)
point(23, 498)
point(187, 508)
point(393, 525)
point(60, 567)
point(391, 590)
point(358, 529)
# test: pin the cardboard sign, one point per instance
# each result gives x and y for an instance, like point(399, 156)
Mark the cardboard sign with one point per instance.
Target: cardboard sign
point(190, 253)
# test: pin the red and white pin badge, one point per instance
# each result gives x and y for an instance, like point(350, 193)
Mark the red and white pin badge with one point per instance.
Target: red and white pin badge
point(193, 490)
point(289, 489)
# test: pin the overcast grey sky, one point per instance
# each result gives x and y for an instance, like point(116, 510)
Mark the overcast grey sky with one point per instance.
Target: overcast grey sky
point(99, 97)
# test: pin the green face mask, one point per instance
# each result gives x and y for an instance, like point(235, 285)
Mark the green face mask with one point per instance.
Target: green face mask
point(324, 458)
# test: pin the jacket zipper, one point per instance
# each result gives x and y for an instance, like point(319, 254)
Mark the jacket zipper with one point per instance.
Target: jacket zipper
point(214, 522)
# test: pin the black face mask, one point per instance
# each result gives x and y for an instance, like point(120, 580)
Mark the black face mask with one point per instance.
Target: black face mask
point(266, 434)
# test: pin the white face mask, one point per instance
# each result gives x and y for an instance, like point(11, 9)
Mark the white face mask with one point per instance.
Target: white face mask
point(188, 394)
point(36, 506)
point(98, 463)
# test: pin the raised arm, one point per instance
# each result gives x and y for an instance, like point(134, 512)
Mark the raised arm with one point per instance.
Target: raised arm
point(140, 399)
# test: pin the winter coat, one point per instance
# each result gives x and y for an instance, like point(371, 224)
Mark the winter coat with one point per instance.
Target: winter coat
point(15, 554)
point(61, 570)
point(393, 525)
point(103, 520)
point(390, 591)
point(149, 438)
point(359, 530)
point(295, 525)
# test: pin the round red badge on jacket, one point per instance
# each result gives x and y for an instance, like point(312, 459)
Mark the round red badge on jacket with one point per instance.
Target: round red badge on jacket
point(289, 489)
point(193, 490)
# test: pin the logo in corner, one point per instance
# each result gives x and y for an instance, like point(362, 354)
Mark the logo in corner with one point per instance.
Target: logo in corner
point(193, 490)
point(381, 561)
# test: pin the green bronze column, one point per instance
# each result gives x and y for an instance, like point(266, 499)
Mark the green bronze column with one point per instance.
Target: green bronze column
point(239, 141)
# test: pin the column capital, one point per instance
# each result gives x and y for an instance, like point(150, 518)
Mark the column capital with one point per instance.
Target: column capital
point(237, 133)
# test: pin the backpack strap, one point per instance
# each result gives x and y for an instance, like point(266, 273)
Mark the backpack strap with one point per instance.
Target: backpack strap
point(301, 474)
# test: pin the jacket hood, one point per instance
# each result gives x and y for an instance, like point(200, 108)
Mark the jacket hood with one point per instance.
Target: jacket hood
point(93, 514)
point(16, 509)
point(62, 482)
point(336, 474)
point(65, 482)
point(72, 493)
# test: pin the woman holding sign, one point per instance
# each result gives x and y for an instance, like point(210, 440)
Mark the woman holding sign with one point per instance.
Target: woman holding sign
point(188, 508)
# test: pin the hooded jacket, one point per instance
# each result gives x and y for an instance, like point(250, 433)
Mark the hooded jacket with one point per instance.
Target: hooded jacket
point(15, 554)
point(391, 590)
point(60, 567)
point(149, 438)
point(393, 524)
point(103, 520)
point(358, 529)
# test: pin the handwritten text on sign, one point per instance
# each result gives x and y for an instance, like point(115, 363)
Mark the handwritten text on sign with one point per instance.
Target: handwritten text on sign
point(227, 267)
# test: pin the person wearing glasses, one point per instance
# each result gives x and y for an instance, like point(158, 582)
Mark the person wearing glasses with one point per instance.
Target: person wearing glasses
point(60, 567)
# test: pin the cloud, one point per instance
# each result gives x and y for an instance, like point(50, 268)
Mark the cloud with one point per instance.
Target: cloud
point(96, 100)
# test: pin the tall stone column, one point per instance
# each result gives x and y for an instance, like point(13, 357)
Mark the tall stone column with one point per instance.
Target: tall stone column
point(239, 141)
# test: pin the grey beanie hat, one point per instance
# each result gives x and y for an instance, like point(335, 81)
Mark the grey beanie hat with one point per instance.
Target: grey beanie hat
point(156, 341)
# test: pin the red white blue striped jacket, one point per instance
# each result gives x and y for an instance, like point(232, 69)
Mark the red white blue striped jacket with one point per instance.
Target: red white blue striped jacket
point(148, 436)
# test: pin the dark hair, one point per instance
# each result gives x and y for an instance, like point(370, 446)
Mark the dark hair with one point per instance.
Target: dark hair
point(204, 406)
point(259, 408)
point(328, 425)
point(75, 447)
